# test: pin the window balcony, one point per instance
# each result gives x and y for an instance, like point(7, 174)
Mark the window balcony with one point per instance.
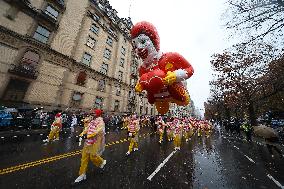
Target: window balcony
point(23, 70)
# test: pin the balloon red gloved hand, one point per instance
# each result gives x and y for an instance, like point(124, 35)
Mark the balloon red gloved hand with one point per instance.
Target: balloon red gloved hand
point(155, 82)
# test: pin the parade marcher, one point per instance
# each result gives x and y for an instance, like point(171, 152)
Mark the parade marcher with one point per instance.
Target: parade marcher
point(177, 133)
point(161, 127)
point(145, 121)
point(94, 145)
point(55, 128)
point(170, 130)
point(199, 128)
point(188, 129)
point(133, 129)
point(74, 122)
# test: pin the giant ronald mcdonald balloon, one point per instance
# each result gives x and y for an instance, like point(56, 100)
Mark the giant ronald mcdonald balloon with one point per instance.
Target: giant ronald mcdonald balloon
point(162, 75)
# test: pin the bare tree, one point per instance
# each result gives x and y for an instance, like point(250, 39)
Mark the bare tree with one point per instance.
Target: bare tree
point(256, 19)
point(240, 73)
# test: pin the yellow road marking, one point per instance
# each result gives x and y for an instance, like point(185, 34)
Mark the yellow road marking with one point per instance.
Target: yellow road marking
point(50, 159)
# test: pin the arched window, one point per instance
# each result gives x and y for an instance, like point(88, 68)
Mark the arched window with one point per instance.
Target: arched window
point(30, 58)
point(81, 79)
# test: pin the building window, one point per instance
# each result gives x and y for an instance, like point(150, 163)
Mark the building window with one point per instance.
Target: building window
point(99, 103)
point(109, 41)
point(41, 34)
point(123, 50)
point(104, 68)
point(96, 17)
point(107, 54)
point(133, 69)
point(116, 105)
point(81, 79)
point(101, 85)
point(146, 110)
point(94, 28)
point(91, 42)
point(141, 109)
point(132, 82)
point(151, 111)
point(86, 59)
point(50, 11)
point(121, 63)
point(30, 58)
point(76, 99)
point(120, 75)
point(118, 90)
point(111, 31)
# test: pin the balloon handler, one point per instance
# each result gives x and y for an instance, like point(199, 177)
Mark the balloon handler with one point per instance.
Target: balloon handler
point(55, 128)
point(133, 129)
point(94, 144)
point(162, 75)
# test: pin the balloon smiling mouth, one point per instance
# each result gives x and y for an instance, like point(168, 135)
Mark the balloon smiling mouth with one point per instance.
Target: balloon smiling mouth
point(143, 53)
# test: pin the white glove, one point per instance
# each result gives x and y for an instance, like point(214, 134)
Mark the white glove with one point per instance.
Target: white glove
point(80, 141)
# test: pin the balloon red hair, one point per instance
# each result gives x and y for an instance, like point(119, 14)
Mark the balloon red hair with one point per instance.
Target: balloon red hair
point(148, 29)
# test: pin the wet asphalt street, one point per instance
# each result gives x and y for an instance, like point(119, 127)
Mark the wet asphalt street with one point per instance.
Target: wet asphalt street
point(221, 161)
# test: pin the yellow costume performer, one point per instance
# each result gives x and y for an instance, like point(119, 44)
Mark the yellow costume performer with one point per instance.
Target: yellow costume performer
point(170, 131)
point(94, 145)
point(177, 133)
point(55, 129)
point(188, 130)
point(200, 129)
point(161, 127)
point(133, 129)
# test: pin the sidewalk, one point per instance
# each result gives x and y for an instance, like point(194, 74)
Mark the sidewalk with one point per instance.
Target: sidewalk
point(257, 140)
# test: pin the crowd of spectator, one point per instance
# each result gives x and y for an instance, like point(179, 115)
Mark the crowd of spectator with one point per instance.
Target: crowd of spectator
point(40, 119)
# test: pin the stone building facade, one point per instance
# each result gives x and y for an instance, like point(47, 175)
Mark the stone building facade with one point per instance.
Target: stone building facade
point(68, 54)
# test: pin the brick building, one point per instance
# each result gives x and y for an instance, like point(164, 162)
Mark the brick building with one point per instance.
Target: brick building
point(68, 54)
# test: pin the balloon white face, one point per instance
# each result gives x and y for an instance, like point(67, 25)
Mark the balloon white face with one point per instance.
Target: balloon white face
point(144, 47)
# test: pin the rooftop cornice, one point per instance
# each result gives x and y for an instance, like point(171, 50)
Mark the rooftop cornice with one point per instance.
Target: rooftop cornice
point(123, 24)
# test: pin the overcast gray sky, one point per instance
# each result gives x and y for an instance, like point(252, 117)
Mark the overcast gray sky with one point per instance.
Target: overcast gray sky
point(192, 28)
